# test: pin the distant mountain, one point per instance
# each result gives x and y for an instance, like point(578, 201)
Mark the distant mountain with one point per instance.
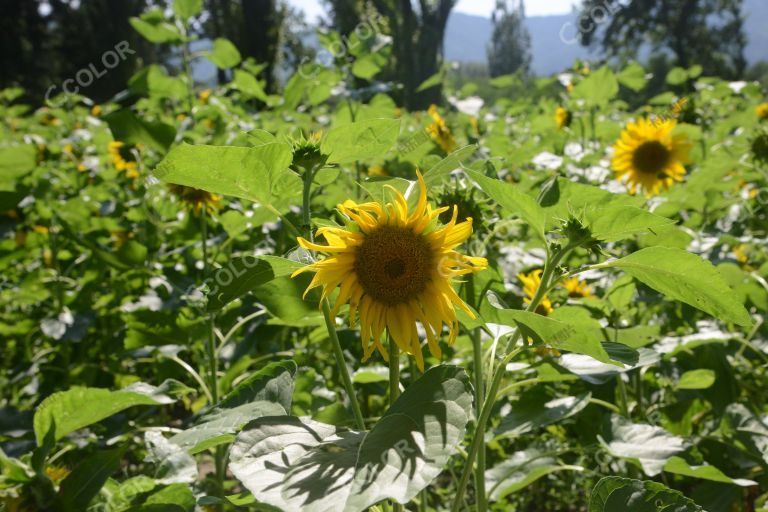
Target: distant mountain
point(467, 38)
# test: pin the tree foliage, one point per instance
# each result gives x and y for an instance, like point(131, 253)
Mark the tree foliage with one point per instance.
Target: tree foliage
point(705, 32)
point(510, 48)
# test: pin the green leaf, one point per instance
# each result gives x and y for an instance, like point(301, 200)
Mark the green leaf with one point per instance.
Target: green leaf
point(86, 480)
point(224, 54)
point(520, 470)
point(260, 173)
point(448, 164)
point(359, 141)
point(15, 163)
point(513, 200)
point(633, 77)
point(186, 9)
point(173, 464)
point(432, 81)
point(67, 411)
point(679, 466)
point(300, 464)
point(677, 76)
point(248, 85)
point(129, 128)
point(580, 338)
point(529, 414)
point(243, 274)
point(598, 88)
point(155, 31)
point(266, 393)
point(686, 277)
point(613, 493)
point(648, 445)
point(618, 222)
point(696, 379)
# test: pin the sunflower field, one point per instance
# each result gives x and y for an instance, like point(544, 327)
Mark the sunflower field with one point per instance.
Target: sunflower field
point(224, 299)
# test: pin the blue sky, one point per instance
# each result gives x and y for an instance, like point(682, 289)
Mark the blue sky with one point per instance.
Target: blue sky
point(313, 8)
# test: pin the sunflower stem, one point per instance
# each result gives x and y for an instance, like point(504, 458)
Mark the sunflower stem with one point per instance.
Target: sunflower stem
point(331, 326)
point(394, 388)
point(477, 360)
point(478, 439)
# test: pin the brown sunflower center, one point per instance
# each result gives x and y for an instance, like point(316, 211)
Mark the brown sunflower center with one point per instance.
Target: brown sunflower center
point(393, 264)
point(651, 157)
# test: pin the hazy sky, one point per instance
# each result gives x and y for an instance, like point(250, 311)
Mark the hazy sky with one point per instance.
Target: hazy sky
point(312, 8)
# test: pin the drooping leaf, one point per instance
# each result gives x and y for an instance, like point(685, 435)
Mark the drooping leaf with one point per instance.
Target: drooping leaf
point(241, 275)
point(84, 482)
point(679, 466)
point(528, 415)
point(67, 411)
point(266, 393)
point(520, 470)
point(686, 277)
point(297, 464)
point(649, 445)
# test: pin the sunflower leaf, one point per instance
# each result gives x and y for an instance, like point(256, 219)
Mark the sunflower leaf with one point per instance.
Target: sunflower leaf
point(301, 464)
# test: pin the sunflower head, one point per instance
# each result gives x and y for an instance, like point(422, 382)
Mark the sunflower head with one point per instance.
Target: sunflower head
point(649, 157)
point(307, 153)
point(96, 110)
point(531, 282)
point(762, 110)
point(439, 131)
point(204, 95)
point(196, 199)
point(563, 118)
point(394, 265)
point(576, 288)
point(123, 158)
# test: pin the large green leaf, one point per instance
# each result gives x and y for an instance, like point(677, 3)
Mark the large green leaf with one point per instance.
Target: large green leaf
point(648, 445)
point(359, 141)
point(701, 378)
point(633, 77)
point(241, 275)
point(67, 411)
point(614, 493)
point(451, 162)
point(520, 470)
point(680, 466)
point(155, 29)
point(15, 162)
point(598, 88)
point(512, 199)
point(129, 128)
point(84, 482)
point(529, 414)
point(266, 393)
point(185, 9)
point(259, 173)
point(686, 277)
point(617, 222)
point(300, 464)
point(224, 54)
point(578, 337)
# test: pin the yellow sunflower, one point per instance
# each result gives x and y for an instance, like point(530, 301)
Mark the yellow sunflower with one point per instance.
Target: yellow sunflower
point(577, 288)
point(123, 158)
point(649, 156)
point(563, 118)
point(762, 110)
point(195, 198)
point(439, 131)
point(395, 268)
point(531, 283)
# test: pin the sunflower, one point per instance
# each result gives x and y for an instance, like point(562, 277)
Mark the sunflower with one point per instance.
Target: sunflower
point(531, 283)
point(123, 158)
point(577, 288)
point(649, 155)
point(563, 118)
point(439, 131)
point(395, 267)
point(195, 198)
point(762, 110)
